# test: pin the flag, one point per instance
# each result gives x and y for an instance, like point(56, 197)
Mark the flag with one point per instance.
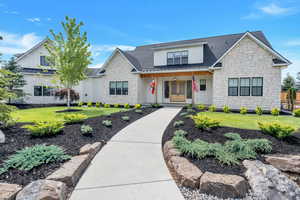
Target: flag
point(152, 86)
point(194, 85)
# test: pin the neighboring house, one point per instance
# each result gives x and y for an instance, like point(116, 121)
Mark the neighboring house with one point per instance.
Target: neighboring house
point(235, 70)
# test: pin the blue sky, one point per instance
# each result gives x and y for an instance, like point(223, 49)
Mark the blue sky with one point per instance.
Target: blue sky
point(130, 23)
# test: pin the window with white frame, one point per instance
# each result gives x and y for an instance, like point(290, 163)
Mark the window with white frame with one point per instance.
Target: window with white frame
point(118, 88)
point(46, 91)
point(233, 87)
point(257, 86)
point(245, 86)
point(202, 85)
point(177, 58)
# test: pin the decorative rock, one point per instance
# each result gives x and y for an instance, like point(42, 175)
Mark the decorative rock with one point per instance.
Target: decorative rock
point(287, 163)
point(169, 150)
point(223, 185)
point(43, 190)
point(71, 171)
point(186, 173)
point(268, 182)
point(2, 137)
point(91, 149)
point(9, 191)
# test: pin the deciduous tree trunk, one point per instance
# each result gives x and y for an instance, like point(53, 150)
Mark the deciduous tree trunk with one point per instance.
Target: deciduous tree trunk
point(69, 97)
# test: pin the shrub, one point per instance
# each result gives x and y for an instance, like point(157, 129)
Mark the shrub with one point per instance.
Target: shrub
point(189, 106)
point(89, 104)
point(125, 118)
point(226, 109)
point(180, 132)
point(258, 110)
point(178, 123)
point(183, 114)
point(137, 106)
point(106, 105)
point(204, 122)
point(116, 105)
point(74, 118)
point(138, 111)
point(86, 130)
point(275, 111)
point(212, 108)
point(276, 129)
point(30, 157)
point(45, 128)
point(297, 113)
point(127, 106)
point(243, 110)
point(155, 105)
point(201, 107)
point(80, 104)
point(107, 123)
point(98, 104)
point(190, 110)
point(6, 119)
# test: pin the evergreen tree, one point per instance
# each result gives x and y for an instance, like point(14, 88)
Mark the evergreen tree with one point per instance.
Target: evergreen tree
point(289, 85)
point(70, 55)
point(298, 81)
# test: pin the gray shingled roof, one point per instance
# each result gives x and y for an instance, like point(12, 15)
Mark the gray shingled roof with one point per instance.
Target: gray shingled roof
point(214, 48)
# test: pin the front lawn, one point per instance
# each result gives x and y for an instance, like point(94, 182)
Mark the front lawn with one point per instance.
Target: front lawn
point(49, 113)
point(249, 121)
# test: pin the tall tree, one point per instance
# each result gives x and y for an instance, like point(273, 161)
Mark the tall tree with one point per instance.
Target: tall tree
point(70, 55)
point(15, 79)
point(289, 85)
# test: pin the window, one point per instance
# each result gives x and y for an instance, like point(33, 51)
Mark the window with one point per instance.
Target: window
point(167, 89)
point(44, 61)
point(244, 86)
point(177, 58)
point(112, 87)
point(118, 88)
point(257, 86)
point(38, 91)
point(125, 88)
point(189, 89)
point(233, 87)
point(202, 84)
point(44, 91)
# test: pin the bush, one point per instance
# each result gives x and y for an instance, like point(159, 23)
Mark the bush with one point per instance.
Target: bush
point(34, 156)
point(107, 123)
point(45, 128)
point(180, 132)
point(276, 129)
point(5, 115)
point(189, 106)
point(138, 111)
point(155, 105)
point(125, 118)
point(74, 118)
point(297, 113)
point(89, 104)
point(201, 107)
point(86, 130)
point(106, 105)
point(80, 104)
point(258, 110)
point(98, 104)
point(116, 105)
point(212, 108)
point(137, 106)
point(190, 110)
point(178, 123)
point(183, 114)
point(203, 122)
point(226, 109)
point(243, 110)
point(275, 111)
point(127, 106)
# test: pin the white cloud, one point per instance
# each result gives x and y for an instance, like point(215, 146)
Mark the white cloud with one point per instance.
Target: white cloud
point(293, 43)
point(15, 43)
point(97, 50)
point(35, 19)
point(99, 65)
point(274, 9)
point(11, 12)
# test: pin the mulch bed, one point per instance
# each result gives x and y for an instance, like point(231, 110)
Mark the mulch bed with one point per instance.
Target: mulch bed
point(68, 110)
point(71, 140)
point(290, 145)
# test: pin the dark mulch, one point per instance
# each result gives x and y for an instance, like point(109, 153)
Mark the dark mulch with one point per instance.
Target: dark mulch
point(288, 146)
point(68, 110)
point(70, 139)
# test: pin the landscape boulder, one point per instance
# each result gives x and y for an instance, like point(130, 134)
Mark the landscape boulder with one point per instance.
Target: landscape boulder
point(9, 191)
point(287, 163)
point(71, 171)
point(43, 190)
point(223, 185)
point(187, 174)
point(267, 182)
point(91, 149)
point(2, 137)
point(169, 150)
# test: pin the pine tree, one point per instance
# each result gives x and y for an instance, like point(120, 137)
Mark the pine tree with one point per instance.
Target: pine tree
point(70, 55)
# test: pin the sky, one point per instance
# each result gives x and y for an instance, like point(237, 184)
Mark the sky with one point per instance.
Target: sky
point(126, 24)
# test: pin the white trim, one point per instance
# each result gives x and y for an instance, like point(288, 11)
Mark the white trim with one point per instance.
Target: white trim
point(257, 41)
point(171, 71)
point(179, 46)
point(32, 49)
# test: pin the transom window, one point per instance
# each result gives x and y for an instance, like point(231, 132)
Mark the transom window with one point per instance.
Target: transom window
point(118, 88)
point(177, 58)
point(245, 86)
point(43, 91)
point(233, 87)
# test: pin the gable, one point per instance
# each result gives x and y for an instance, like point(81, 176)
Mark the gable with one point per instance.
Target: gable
point(117, 64)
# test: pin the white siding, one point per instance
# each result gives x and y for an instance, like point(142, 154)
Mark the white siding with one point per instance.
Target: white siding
point(32, 60)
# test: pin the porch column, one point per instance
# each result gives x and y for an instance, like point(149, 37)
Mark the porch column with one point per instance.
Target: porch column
point(156, 88)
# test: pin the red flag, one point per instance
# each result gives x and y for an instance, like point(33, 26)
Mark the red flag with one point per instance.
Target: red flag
point(194, 85)
point(152, 86)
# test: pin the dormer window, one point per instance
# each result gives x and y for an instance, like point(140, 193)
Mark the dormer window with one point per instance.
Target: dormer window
point(177, 58)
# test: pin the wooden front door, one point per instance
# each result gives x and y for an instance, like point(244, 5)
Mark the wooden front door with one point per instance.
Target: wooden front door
point(177, 91)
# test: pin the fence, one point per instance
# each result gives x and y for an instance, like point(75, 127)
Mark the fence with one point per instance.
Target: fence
point(284, 100)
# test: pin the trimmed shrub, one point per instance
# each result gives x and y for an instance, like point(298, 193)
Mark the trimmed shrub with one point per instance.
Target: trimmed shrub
point(201, 107)
point(297, 113)
point(106, 105)
point(204, 122)
point(276, 129)
point(183, 114)
point(189, 106)
point(31, 157)
point(275, 112)
point(125, 118)
point(45, 128)
point(138, 111)
point(89, 104)
point(243, 110)
point(258, 110)
point(98, 104)
point(212, 108)
point(127, 106)
point(226, 109)
point(86, 130)
point(155, 105)
point(180, 132)
point(116, 105)
point(137, 106)
point(178, 123)
point(80, 104)
point(107, 123)
point(190, 110)
point(74, 118)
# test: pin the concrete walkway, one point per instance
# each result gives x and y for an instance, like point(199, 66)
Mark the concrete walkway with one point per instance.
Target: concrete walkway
point(131, 166)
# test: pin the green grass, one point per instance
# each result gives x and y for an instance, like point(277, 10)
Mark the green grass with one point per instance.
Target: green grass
point(49, 113)
point(249, 121)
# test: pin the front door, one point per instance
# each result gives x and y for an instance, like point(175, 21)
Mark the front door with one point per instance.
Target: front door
point(177, 91)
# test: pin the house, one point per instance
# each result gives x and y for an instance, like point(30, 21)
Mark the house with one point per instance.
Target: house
point(235, 70)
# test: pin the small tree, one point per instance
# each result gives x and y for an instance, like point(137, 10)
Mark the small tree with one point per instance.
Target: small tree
point(70, 55)
point(298, 81)
point(63, 94)
point(289, 85)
